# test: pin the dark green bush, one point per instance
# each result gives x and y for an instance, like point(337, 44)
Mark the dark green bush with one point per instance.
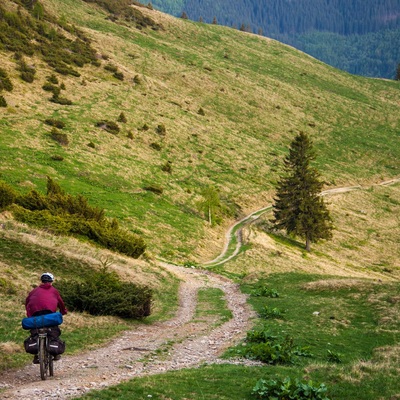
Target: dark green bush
point(5, 83)
point(118, 75)
point(167, 167)
point(59, 137)
point(109, 126)
point(49, 87)
point(154, 188)
point(161, 130)
point(156, 146)
point(52, 79)
point(3, 101)
point(57, 158)
point(92, 145)
point(122, 118)
point(285, 389)
point(103, 293)
point(66, 214)
point(55, 122)
point(111, 68)
point(27, 72)
point(7, 195)
point(60, 100)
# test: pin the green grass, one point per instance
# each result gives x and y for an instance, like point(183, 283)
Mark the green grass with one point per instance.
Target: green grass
point(212, 304)
point(353, 322)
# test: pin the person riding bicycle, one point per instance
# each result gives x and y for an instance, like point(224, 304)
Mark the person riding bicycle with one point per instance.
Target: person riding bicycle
point(45, 299)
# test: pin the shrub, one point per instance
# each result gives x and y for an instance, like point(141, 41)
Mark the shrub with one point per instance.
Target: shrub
point(59, 137)
point(60, 100)
point(118, 75)
point(92, 145)
point(3, 101)
point(161, 130)
point(52, 79)
point(109, 126)
point(156, 146)
point(5, 83)
point(137, 80)
point(264, 291)
point(7, 195)
point(154, 188)
point(49, 87)
point(122, 118)
point(269, 313)
point(286, 389)
point(27, 72)
point(103, 293)
point(111, 68)
point(65, 214)
point(55, 122)
point(201, 111)
point(57, 158)
point(167, 167)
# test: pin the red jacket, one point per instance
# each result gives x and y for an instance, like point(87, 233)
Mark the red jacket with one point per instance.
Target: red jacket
point(44, 297)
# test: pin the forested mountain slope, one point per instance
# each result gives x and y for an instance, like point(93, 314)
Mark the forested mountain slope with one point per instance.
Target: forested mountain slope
point(361, 37)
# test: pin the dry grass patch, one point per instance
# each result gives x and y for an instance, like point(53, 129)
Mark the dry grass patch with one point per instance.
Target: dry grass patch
point(10, 348)
point(338, 284)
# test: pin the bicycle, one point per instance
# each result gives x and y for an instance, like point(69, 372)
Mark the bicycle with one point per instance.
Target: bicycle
point(45, 358)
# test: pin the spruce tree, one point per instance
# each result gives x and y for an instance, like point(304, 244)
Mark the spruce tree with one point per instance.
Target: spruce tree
point(299, 208)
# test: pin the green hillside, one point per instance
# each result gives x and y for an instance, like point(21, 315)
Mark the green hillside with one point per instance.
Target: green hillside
point(141, 114)
point(255, 94)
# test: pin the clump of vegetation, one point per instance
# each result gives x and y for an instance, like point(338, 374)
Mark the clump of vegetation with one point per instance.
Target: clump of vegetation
point(27, 72)
point(109, 126)
point(161, 129)
point(156, 146)
point(5, 82)
point(122, 118)
point(201, 111)
point(262, 346)
point(92, 145)
point(7, 195)
point(118, 75)
point(167, 167)
point(3, 101)
point(111, 68)
point(57, 157)
point(103, 293)
point(59, 137)
point(287, 389)
point(264, 291)
point(61, 100)
point(65, 214)
point(270, 313)
point(55, 122)
point(137, 80)
point(154, 188)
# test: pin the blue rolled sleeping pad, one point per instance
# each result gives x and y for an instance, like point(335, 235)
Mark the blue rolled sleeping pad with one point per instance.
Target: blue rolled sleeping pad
point(42, 321)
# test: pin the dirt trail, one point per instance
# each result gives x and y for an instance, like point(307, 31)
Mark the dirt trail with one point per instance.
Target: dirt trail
point(186, 343)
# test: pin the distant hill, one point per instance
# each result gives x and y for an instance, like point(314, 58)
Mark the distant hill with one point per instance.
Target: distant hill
point(358, 36)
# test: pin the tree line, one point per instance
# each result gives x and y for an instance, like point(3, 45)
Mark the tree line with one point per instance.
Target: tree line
point(359, 36)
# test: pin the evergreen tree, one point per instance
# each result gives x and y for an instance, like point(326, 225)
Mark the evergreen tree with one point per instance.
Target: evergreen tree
point(398, 73)
point(299, 209)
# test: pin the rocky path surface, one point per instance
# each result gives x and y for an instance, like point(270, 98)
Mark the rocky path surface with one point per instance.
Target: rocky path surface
point(183, 341)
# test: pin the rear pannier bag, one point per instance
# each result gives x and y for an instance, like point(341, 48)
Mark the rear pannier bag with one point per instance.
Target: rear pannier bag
point(42, 321)
point(31, 344)
point(56, 346)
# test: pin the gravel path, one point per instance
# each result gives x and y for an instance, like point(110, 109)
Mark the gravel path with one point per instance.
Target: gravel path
point(186, 343)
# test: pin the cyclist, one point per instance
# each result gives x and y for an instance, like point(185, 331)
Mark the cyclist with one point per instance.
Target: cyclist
point(45, 299)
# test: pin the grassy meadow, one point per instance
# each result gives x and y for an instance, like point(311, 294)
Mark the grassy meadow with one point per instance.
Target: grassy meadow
point(220, 107)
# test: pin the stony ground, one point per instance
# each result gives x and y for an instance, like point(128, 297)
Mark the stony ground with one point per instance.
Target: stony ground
point(183, 341)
